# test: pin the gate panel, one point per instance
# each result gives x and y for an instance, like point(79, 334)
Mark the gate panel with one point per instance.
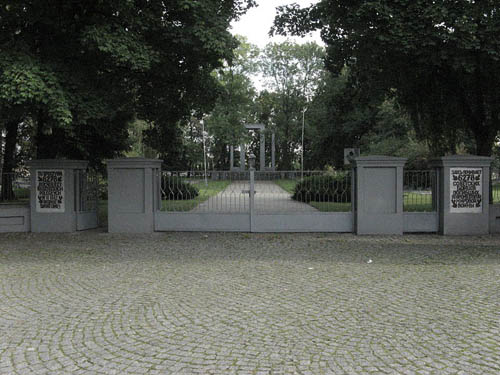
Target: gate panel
point(193, 201)
point(87, 191)
point(296, 201)
point(255, 202)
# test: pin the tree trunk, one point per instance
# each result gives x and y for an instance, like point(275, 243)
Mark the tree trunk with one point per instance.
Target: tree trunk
point(9, 161)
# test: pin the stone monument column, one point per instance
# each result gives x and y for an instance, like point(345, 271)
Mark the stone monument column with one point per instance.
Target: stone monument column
point(134, 194)
point(463, 194)
point(231, 157)
point(242, 157)
point(54, 194)
point(262, 150)
point(378, 194)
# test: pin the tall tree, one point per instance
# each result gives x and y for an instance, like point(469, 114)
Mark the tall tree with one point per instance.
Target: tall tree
point(442, 56)
point(82, 70)
point(292, 73)
point(235, 104)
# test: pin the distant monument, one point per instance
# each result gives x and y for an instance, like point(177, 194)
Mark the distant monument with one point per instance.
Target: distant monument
point(261, 128)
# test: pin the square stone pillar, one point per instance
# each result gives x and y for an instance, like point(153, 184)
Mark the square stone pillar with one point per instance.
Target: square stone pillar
point(463, 194)
point(53, 198)
point(378, 194)
point(134, 194)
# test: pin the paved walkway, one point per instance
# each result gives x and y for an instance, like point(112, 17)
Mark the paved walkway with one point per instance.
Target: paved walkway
point(269, 198)
point(195, 303)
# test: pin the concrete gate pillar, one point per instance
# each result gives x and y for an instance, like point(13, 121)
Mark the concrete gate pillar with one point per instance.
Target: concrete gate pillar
point(134, 194)
point(54, 194)
point(463, 194)
point(378, 194)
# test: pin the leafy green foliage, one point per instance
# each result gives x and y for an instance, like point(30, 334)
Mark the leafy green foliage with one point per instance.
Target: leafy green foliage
point(329, 188)
point(235, 105)
point(206, 191)
point(442, 58)
point(79, 72)
point(177, 188)
point(292, 73)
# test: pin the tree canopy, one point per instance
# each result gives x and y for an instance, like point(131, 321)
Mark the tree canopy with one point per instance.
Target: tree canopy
point(80, 71)
point(292, 73)
point(442, 58)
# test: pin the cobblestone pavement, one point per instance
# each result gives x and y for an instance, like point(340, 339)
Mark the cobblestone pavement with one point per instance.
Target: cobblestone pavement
point(195, 303)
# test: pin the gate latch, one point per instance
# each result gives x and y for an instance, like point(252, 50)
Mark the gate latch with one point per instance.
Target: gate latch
point(248, 192)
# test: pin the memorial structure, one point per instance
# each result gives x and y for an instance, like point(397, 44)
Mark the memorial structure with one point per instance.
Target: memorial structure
point(262, 160)
point(59, 196)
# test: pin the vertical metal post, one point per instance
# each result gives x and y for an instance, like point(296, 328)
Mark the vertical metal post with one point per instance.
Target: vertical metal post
point(262, 150)
point(204, 152)
point(302, 154)
point(251, 161)
point(252, 198)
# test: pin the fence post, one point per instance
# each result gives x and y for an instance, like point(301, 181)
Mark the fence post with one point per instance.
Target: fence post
point(463, 195)
point(378, 199)
point(54, 194)
point(133, 191)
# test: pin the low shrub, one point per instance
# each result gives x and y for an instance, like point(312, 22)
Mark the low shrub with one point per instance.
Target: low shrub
point(330, 188)
point(176, 188)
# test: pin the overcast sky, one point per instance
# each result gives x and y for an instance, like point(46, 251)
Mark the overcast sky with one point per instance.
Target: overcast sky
point(255, 24)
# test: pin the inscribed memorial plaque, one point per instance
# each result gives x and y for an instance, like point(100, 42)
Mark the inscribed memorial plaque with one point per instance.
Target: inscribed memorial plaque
point(466, 190)
point(50, 190)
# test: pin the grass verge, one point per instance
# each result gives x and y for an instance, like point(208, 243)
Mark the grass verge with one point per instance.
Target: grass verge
point(206, 191)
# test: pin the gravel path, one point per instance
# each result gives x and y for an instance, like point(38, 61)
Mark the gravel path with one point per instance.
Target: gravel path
point(196, 303)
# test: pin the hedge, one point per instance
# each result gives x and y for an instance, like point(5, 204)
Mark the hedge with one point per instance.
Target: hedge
point(330, 188)
point(176, 188)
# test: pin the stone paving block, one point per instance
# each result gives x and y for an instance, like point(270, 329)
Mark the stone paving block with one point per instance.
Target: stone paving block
point(220, 303)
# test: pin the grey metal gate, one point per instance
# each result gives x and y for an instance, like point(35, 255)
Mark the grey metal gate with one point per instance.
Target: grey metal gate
point(86, 199)
point(254, 201)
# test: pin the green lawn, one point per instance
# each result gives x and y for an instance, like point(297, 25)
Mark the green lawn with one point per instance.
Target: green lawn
point(417, 202)
point(206, 191)
point(21, 196)
point(496, 192)
point(289, 187)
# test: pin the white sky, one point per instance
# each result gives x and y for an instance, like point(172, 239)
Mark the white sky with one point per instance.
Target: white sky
point(255, 24)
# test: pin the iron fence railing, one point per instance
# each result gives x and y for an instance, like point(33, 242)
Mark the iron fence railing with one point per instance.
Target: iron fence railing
point(307, 191)
point(495, 188)
point(419, 193)
point(197, 192)
point(14, 187)
point(88, 190)
point(274, 192)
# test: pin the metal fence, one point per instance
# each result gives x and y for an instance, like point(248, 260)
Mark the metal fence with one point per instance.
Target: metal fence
point(302, 192)
point(198, 193)
point(419, 191)
point(274, 192)
point(495, 188)
point(14, 187)
point(88, 190)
